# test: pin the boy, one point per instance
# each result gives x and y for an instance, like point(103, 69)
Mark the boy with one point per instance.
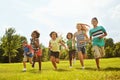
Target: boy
point(97, 35)
point(28, 54)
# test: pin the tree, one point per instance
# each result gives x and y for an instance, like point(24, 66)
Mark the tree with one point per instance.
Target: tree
point(10, 43)
point(109, 47)
point(117, 50)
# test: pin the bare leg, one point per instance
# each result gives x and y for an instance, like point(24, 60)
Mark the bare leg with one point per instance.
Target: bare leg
point(57, 60)
point(34, 59)
point(53, 61)
point(80, 55)
point(30, 60)
point(24, 64)
point(39, 62)
point(97, 63)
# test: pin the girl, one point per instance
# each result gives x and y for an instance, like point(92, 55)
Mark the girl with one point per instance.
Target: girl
point(28, 54)
point(36, 47)
point(54, 46)
point(72, 50)
point(81, 38)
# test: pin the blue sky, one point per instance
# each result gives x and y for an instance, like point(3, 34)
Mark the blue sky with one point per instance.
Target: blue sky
point(58, 15)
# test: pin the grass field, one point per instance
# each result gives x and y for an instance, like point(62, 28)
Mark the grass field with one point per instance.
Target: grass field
point(110, 70)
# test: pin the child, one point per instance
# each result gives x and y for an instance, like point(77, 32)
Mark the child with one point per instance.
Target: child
point(81, 38)
point(96, 35)
point(28, 54)
point(72, 50)
point(54, 46)
point(36, 47)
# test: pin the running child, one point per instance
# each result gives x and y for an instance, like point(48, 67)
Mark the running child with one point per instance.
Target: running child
point(28, 54)
point(54, 46)
point(97, 35)
point(71, 48)
point(36, 47)
point(81, 38)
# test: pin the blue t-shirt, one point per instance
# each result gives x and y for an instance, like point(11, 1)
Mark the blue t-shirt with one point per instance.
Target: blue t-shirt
point(26, 50)
point(95, 33)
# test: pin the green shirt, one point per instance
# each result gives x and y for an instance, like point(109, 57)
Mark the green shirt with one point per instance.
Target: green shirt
point(69, 44)
point(95, 33)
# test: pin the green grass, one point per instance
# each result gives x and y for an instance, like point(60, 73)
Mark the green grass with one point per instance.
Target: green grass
point(110, 70)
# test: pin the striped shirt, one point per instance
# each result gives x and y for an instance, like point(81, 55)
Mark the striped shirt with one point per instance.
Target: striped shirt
point(95, 33)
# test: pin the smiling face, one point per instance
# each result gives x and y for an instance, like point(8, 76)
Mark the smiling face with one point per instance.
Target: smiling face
point(53, 35)
point(79, 27)
point(94, 22)
point(69, 36)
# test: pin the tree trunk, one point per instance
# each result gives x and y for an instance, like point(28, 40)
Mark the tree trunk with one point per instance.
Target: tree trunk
point(9, 58)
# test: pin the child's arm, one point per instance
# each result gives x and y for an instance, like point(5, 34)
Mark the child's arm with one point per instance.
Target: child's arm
point(62, 43)
point(73, 42)
point(50, 47)
point(36, 43)
point(105, 34)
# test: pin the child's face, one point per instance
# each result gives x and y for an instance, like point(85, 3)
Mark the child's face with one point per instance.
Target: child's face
point(69, 36)
point(34, 35)
point(79, 27)
point(94, 22)
point(24, 44)
point(53, 36)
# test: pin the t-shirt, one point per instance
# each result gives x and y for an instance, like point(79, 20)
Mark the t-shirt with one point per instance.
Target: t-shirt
point(27, 49)
point(96, 33)
point(55, 45)
point(80, 36)
point(69, 43)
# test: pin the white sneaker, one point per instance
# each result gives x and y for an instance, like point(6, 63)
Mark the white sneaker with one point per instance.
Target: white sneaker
point(70, 67)
point(24, 70)
point(83, 67)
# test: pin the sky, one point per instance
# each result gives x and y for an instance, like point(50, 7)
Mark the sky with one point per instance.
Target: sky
point(58, 15)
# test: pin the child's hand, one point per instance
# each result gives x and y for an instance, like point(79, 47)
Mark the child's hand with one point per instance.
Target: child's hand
point(28, 53)
point(82, 42)
point(101, 37)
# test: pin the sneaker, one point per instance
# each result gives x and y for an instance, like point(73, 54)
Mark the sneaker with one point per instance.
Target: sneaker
point(24, 70)
point(70, 67)
point(83, 67)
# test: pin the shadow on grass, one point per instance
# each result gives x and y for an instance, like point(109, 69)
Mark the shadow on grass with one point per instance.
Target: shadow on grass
point(102, 69)
point(61, 70)
point(87, 68)
point(111, 69)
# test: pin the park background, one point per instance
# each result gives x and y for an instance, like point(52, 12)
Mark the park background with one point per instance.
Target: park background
point(18, 18)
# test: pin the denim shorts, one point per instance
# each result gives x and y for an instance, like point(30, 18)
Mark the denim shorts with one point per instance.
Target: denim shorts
point(82, 49)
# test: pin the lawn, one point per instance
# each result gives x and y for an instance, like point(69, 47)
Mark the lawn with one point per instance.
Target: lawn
point(110, 70)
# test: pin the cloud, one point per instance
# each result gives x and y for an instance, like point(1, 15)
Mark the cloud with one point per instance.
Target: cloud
point(116, 12)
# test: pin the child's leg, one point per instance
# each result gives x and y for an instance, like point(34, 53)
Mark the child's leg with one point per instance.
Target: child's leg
point(56, 54)
point(80, 55)
point(24, 64)
point(97, 63)
point(34, 59)
point(97, 55)
point(57, 60)
point(24, 61)
point(39, 62)
point(70, 58)
point(30, 60)
point(52, 58)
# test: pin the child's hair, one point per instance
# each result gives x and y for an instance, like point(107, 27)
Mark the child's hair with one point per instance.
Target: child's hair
point(24, 41)
point(70, 34)
point(94, 18)
point(37, 33)
point(84, 28)
point(52, 33)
